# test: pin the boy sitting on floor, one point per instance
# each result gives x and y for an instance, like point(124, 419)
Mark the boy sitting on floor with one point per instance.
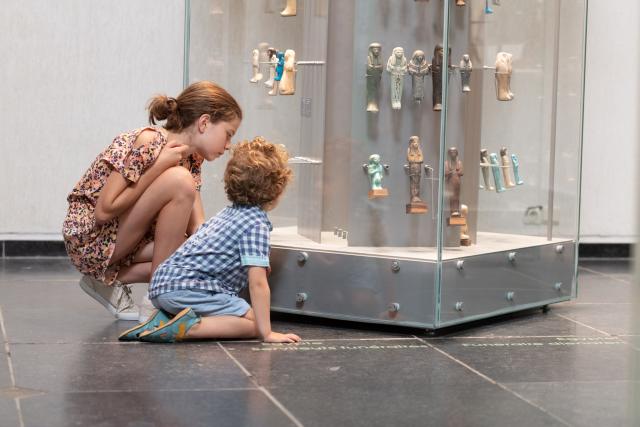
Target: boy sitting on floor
point(196, 289)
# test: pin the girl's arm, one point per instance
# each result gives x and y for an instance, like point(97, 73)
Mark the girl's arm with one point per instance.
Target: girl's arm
point(261, 303)
point(197, 215)
point(118, 195)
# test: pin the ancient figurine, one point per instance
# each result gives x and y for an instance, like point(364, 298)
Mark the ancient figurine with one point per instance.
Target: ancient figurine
point(290, 8)
point(460, 3)
point(465, 239)
point(506, 168)
point(418, 68)
point(495, 169)
point(415, 160)
point(273, 60)
point(288, 83)
point(485, 166)
point(397, 67)
point(453, 172)
point(436, 76)
point(255, 66)
point(375, 170)
point(374, 75)
point(465, 72)
point(487, 7)
point(516, 169)
point(503, 76)
point(279, 64)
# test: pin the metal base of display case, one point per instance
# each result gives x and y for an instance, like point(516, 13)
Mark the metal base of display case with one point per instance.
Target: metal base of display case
point(403, 292)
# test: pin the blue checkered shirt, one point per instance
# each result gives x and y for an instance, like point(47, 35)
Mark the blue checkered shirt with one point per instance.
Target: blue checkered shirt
point(218, 256)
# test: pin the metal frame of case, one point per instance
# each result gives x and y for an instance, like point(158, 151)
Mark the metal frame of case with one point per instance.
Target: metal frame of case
point(430, 281)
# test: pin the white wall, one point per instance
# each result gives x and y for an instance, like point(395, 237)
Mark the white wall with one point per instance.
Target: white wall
point(611, 117)
point(73, 74)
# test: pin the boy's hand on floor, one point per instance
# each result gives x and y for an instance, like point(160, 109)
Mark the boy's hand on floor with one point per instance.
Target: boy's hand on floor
point(277, 337)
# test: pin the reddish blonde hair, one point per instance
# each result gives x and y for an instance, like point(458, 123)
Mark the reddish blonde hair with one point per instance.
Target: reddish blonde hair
point(198, 99)
point(257, 173)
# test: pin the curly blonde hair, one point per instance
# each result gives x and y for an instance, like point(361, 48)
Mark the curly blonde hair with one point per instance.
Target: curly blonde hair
point(257, 173)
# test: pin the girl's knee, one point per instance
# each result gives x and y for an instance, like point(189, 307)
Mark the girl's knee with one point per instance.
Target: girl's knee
point(180, 181)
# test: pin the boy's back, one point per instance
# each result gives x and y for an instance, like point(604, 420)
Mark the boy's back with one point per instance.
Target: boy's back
point(217, 256)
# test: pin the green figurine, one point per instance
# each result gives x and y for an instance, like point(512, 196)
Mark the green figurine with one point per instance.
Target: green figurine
point(375, 170)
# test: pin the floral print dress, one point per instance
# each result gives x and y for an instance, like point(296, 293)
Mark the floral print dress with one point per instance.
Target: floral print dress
point(89, 245)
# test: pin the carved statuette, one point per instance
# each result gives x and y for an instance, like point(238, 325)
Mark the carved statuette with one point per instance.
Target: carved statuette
point(465, 73)
point(506, 168)
point(375, 170)
point(397, 67)
point(273, 61)
point(255, 66)
point(290, 8)
point(503, 76)
point(465, 239)
point(288, 83)
point(453, 172)
point(279, 66)
point(436, 76)
point(495, 169)
point(415, 160)
point(418, 68)
point(374, 74)
point(485, 165)
point(516, 169)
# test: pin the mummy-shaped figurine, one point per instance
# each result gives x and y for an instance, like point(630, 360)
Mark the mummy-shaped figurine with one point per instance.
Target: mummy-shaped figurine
point(418, 68)
point(503, 76)
point(495, 169)
point(453, 172)
point(465, 239)
point(279, 64)
point(465, 72)
point(255, 66)
point(273, 61)
point(397, 67)
point(506, 168)
point(374, 74)
point(415, 160)
point(288, 83)
point(436, 76)
point(375, 170)
point(516, 169)
point(290, 8)
point(485, 166)
point(487, 7)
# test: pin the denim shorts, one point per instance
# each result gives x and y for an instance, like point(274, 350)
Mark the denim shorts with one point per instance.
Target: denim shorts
point(203, 302)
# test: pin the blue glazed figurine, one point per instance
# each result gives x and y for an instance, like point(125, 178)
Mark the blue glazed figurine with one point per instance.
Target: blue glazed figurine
point(516, 169)
point(375, 170)
point(279, 62)
point(487, 8)
point(495, 169)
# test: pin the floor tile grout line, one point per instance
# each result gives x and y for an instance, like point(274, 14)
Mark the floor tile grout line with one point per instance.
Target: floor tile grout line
point(494, 382)
point(605, 275)
point(282, 407)
point(7, 349)
point(582, 324)
point(261, 388)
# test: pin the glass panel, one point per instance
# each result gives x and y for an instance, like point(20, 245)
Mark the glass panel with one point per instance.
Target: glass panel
point(524, 115)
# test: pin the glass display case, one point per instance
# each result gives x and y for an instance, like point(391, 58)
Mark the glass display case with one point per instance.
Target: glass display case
point(435, 184)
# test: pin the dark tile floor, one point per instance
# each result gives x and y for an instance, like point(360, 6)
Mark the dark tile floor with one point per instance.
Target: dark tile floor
point(61, 365)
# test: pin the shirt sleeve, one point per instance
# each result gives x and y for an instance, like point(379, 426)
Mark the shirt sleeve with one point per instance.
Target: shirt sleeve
point(254, 246)
point(132, 163)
